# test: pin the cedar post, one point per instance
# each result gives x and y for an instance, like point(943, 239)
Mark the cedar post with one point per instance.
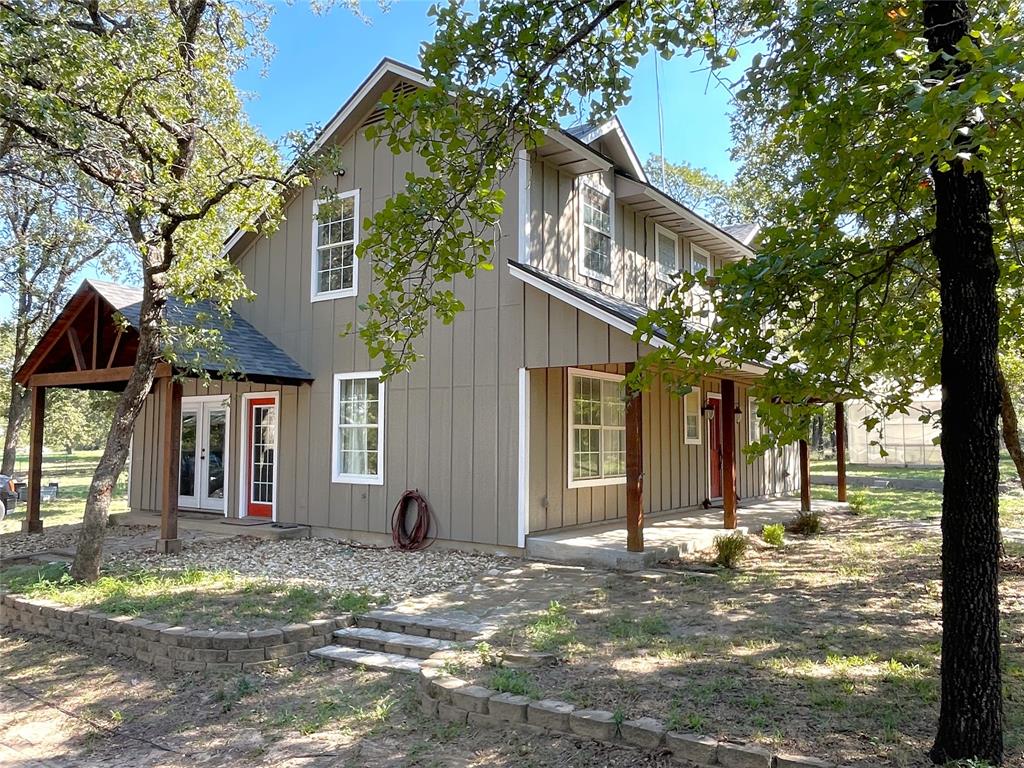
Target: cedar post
point(634, 469)
point(805, 478)
point(840, 452)
point(729, 452)
point(169, 543)
point(33, 522)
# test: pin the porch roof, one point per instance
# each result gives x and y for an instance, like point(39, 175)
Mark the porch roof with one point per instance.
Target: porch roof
point(88, 322)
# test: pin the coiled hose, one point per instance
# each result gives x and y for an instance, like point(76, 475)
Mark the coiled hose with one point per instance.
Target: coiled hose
point(418, 536)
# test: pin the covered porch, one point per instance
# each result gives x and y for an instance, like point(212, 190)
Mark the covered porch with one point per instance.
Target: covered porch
point(92, 344)
point(665, 536)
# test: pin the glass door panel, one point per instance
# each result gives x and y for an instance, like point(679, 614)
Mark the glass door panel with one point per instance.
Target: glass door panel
point(214, 456)
point(189, 458)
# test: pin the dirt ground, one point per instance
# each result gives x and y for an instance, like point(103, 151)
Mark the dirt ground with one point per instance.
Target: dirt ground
point(827, 647)
point(60, 707)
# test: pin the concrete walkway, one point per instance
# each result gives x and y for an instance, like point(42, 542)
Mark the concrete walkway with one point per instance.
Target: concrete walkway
point(665, 536)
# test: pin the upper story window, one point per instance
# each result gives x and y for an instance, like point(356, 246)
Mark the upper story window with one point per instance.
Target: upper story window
point(335, 235)
point(667, 244)
point(596, 228)
point(692, 417)
point(358, 428)
point(700, 259)
point(597, 428)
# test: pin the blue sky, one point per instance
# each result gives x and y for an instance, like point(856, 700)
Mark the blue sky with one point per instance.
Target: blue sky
point(320, 60)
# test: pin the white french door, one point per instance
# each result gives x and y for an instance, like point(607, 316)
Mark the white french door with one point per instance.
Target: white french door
point(202, 481)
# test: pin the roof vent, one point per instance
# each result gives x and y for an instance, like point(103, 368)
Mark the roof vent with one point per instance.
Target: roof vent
point(399, 89)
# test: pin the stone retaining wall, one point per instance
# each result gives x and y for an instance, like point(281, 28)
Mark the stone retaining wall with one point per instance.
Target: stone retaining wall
point(165, 646)
point(455, 700)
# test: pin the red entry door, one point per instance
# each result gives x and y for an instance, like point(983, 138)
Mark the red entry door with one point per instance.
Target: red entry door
point(261, 429)
point(715, 448)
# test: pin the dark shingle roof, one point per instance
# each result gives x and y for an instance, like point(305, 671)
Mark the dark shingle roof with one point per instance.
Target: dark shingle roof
point(742, 232)
point(253, 354)
point(579, 131)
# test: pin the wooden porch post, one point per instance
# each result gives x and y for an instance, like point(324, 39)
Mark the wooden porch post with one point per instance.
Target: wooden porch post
point(805, 478)
point(169, 543)
point(840, 451)
point(634, 469)
point(33, 523)
point(729, 452)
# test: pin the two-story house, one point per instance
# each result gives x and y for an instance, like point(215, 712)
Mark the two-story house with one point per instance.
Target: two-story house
point(515, 422)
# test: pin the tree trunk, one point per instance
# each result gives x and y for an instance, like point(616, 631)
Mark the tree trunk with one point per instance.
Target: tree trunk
point(971, 711)
point(1011, 432)
point(89, 552)
point(15, 418)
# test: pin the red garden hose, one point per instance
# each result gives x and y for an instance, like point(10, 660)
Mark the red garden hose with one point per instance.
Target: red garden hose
point(418, 537)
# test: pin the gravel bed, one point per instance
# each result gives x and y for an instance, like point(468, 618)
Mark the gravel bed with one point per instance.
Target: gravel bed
point(64, 537)
point(324, 564)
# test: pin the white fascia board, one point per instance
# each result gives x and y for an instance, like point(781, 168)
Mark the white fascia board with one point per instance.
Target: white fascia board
point(385, 68)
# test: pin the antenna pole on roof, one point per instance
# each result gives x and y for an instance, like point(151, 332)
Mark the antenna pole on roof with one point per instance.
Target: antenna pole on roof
point(661, 116)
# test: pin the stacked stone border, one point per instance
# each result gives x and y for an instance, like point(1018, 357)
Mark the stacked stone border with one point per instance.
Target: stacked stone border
point(457, 701)
point(166, 646)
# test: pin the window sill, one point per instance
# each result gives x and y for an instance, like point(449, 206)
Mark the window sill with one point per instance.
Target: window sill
point(330, 295)
point(359, 479)
point(606, 279)
point(597, 482)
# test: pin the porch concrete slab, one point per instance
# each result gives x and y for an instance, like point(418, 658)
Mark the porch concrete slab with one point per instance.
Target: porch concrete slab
point(216, 524)
point(665, 536)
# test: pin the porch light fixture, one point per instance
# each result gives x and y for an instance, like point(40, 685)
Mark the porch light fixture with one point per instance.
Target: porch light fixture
point(708, 411)
point(739, 415)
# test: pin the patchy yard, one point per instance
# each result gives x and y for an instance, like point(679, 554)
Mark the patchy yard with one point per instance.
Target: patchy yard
point(73, 472)
point(247, 583)
point(828, 647)
point(917, 505)
point(115, 713)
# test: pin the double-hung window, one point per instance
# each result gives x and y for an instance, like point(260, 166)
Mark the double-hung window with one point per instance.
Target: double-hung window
point(335, 236)
point(667, 245)
point(597, 428)
point(699, 260)
point(358, 428)
point(692, 417)
point(596, 231)
point(754, 423)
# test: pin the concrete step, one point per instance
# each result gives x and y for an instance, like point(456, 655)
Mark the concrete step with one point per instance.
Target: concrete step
point(371, 639)
point(364, 659)
point(433, 626)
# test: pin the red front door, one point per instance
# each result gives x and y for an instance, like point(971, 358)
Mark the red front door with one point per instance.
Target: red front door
point(261, 430)
point(715, 448)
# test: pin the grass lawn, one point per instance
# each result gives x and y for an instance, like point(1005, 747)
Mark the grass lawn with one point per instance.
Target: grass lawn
point(1007, 472)
point(915, 505)
point(828, 646)
point(74, 473)
point(201, 599)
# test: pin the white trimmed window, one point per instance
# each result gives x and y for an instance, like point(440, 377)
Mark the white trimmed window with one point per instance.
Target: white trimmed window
point(667, 245)
point(691, 417)
point(597, 428)
point(595, 231)
point(358, 443)
point(700, 259)
point(754, 421)
point(335, 236)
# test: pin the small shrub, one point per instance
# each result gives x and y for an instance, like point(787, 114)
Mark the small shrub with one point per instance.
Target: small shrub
point(729, 550)
point(515, 681)
point(487, 655)
point(772, 534)
point(805, 524)
point(553, 630)
point(858, 501)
